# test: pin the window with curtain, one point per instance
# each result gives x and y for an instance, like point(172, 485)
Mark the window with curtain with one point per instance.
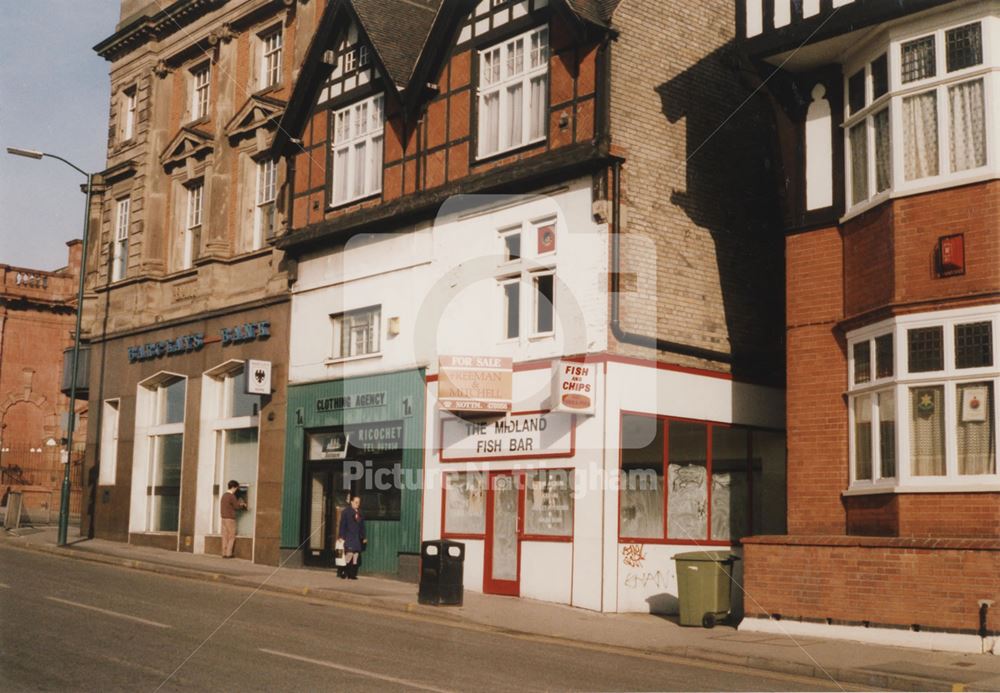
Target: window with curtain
point(932, 106)
point(512, 89)
point(943, 390)
point(357, 150)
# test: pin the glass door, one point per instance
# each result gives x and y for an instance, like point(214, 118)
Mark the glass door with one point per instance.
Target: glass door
point(323, 501)
point(503, 530)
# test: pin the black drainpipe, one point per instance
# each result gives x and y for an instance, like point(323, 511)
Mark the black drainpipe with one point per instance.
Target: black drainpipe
point(621, 335)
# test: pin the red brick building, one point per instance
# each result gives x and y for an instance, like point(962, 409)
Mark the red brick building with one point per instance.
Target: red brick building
point(886, 126)
point(37, 314)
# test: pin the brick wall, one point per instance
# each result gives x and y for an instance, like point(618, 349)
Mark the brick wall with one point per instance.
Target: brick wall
point(702, 255)
point(889, 252)
point(851, 580)
point(817, 377)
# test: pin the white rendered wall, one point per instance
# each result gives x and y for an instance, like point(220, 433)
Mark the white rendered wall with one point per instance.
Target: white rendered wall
point(441, 281)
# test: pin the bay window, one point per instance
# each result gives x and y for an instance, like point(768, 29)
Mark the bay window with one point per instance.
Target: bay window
point(513, 92)
point(923, 411)
point(916, 113)
point(357, 150)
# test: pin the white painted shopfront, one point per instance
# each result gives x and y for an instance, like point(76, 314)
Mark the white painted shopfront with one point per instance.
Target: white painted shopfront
point(572, 532)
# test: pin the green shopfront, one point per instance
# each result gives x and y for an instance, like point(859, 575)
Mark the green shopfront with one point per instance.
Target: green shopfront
point(356, 436)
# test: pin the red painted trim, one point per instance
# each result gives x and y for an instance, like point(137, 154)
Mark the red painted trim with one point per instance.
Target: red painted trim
point(553, 455)
point(490, 586)
point(456, 535)
point(606, 358)
point(545, 538)
point(710, 427)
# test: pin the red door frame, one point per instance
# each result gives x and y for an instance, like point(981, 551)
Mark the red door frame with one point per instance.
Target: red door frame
point(510, 588)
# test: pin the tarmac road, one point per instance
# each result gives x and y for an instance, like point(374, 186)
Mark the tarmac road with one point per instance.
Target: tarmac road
point(71, 625)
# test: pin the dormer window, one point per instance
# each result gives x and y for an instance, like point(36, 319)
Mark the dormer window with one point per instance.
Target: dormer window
point(513, 93)
point(357, 150)
point(916, 114)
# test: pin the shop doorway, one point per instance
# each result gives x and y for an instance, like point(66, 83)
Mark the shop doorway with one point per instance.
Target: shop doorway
point(504, 518)
point(325, 497)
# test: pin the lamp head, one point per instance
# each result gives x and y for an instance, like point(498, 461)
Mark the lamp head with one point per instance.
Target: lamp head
point(30, 153)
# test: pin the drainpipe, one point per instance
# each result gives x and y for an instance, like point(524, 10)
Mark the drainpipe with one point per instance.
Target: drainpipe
point(620, 334)
point(984, 607)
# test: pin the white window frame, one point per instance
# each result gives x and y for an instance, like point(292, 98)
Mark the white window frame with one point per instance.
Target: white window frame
point(201, 78)
point(110, 417)
point(352, 139)
point(223, 422)
point(265, 211)
point(498, 75)
point(524, 272)
point(157, 430)
point(901, 383)
point(337, 321)
point(128, 113)
point(891, 44)
point(119, 261)
point(271, 47)
point(192, 223)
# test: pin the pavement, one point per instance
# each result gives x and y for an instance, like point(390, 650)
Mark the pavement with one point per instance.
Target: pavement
point(851, 663)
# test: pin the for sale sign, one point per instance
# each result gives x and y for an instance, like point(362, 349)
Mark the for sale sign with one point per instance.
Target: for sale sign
point(475, 384)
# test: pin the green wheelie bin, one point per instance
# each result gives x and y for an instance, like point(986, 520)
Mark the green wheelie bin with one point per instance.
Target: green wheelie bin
point(704, 580)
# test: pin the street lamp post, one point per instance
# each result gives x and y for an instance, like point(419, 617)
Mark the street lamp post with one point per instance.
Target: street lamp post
point(71, 423)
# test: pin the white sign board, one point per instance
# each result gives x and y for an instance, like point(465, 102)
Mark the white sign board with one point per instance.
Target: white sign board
point(512, 437)
point(574, 387)
point(258, 376)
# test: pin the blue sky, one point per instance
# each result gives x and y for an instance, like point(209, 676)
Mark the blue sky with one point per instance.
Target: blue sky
point(54, 95)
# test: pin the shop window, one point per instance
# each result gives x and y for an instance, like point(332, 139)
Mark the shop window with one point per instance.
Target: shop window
point(465, 503)
point(356, 332)
point(235, 427)
point(722, 482)
point(945, 394)
point(357, 150)
point(932, 107)
point(119, 259)
point(109, 443)
point(166, 445)
point(512, 92)
point(548, 505)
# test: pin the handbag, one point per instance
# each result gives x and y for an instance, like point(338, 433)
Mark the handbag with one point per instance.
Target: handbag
point(338, 553)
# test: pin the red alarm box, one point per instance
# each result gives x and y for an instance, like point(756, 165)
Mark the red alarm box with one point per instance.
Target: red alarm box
point(951, 255)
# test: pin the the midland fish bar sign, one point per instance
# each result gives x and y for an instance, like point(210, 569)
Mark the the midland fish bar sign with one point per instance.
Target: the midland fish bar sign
point(475, 384)
point(515, 436)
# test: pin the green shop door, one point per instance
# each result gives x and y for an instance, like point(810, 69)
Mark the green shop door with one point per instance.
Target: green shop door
point(325, 498)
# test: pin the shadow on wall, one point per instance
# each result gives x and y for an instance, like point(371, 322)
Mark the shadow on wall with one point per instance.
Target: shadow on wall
point(731, 191)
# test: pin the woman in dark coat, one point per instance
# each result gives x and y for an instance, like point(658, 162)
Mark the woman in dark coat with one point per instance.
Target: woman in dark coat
point(352, 531)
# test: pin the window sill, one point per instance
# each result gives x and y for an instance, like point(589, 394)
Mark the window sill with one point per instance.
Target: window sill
point(917, 187)
point(350, 359)
point(541, 336)
point(354, 200)
point(487, 158)
point(990, 486)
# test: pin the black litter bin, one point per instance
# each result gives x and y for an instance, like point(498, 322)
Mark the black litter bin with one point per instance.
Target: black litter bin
point(441, 567)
